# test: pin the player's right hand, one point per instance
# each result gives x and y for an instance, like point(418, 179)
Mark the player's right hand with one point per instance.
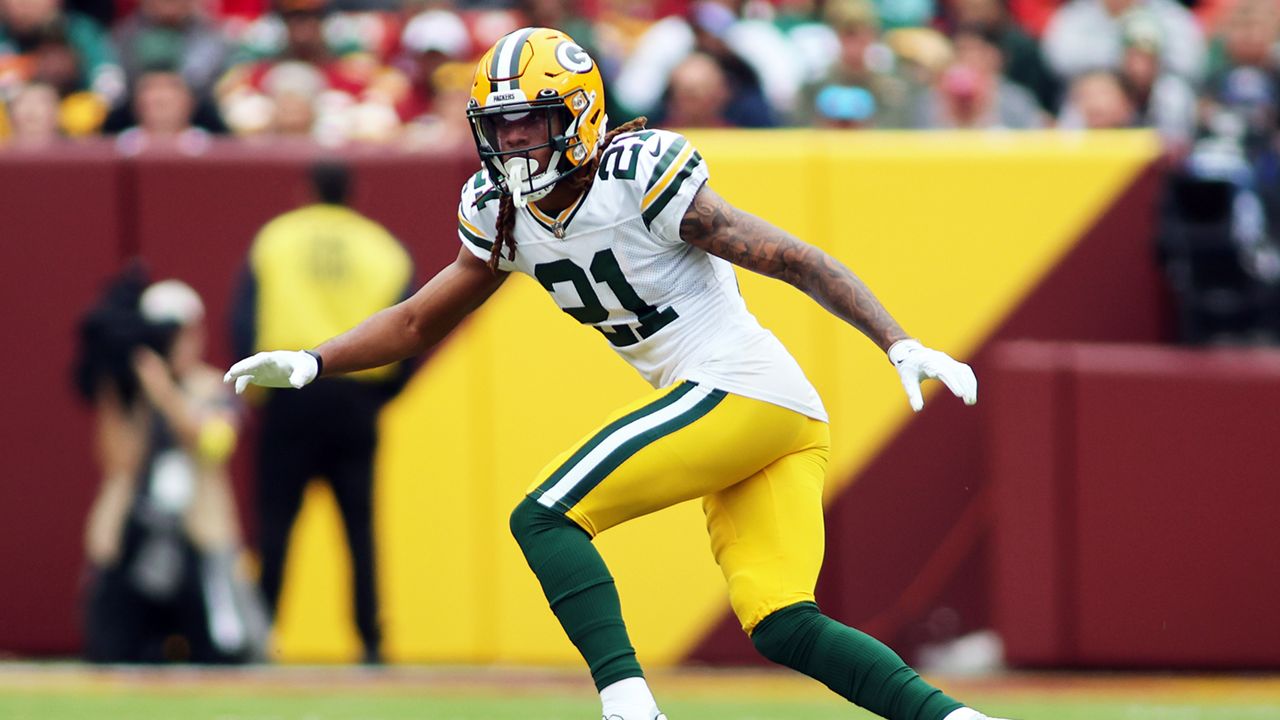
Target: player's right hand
point(277, 368)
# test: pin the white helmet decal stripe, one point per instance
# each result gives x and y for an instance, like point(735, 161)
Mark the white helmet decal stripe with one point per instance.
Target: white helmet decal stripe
point(506, 59)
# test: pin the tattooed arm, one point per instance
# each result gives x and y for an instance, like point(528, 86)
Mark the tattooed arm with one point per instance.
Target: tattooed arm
point(747, 241)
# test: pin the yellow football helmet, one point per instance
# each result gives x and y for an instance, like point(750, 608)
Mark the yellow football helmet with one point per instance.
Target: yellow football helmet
point(536, 75)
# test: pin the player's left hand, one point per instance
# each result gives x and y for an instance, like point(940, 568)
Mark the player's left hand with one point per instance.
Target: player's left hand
point(915, 362)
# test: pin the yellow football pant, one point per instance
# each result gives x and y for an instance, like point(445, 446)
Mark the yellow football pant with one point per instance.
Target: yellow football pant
point(758, 467)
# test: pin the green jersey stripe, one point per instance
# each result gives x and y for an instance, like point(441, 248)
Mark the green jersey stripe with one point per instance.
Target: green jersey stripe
point(473, 238)
point(486, 198)
point(667, 158)
point(678, 392)
point(651, 213)
point(635, 445)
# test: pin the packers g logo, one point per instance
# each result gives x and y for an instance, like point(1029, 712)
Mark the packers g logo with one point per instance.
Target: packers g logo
point(572, 57)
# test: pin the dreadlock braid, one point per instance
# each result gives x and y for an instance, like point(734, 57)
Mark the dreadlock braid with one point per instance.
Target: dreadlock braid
point(580, 181)
point(506, 232)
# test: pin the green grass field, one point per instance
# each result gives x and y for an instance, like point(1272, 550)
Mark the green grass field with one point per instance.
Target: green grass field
point(58, 692)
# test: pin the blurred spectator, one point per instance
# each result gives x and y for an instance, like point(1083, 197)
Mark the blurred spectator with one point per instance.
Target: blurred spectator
point(846, 107)
point(202, 111)
point(308, 90)
point(1246, 37)
point(698, 94)
point(1023, 64)
point(864, 61)
point(39, 41)
point(920, 54)
point(162, 539)
point(1098, 100)
point(430, 39)
point(1245, 76)
point(172, 33)
point(374, 33)
point(1086, 35)
point(619, 24)
point(33, 117)
point(163, 106)
point(446, 126)
point(294, 29)
point(312, 273)
point(973, 92)
point(1164, 101)
point(813, 40)
point(763, 70)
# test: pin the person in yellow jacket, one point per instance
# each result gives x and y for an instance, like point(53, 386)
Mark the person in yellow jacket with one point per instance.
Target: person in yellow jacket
point(313, 272)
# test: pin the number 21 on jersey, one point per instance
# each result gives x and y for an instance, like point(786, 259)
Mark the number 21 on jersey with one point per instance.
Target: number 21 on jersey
point(605, 270)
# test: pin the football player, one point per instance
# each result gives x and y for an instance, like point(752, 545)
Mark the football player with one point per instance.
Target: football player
point(623, 230)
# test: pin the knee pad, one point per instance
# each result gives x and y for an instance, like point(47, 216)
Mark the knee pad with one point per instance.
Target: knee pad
point(787, 633)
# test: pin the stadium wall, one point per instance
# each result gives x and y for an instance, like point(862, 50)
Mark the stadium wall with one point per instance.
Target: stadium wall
point(959, 234)
point(1136, 490)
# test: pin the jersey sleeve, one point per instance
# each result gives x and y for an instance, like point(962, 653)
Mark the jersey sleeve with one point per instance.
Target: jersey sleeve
point(672, 172)
point(477, 218)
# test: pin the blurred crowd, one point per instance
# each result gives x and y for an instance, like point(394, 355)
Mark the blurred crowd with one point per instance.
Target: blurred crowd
point(179, 72)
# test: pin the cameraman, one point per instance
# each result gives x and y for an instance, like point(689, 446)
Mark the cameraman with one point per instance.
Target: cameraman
point(162, 538)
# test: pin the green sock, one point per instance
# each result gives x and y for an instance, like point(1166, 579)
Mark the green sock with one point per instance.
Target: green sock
point(579, 588)
point(855, 665)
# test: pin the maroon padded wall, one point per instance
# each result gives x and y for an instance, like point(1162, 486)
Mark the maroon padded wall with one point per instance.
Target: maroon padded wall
point(60, 243)
point(1137, 490)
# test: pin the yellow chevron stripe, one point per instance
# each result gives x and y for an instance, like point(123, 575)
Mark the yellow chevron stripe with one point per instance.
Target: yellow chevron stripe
point(667, 177)
point(475, 230)
point(533, 209)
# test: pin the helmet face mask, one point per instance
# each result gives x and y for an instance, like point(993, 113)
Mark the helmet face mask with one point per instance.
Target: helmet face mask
point(540, 77)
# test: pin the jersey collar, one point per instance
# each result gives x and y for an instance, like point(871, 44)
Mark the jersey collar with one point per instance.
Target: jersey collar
point(559, 224)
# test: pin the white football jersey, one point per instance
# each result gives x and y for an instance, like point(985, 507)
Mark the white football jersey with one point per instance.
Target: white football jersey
point(615, 261)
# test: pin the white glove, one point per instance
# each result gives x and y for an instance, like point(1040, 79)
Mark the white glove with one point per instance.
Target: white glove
point(916, 362)
point(278, 368)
